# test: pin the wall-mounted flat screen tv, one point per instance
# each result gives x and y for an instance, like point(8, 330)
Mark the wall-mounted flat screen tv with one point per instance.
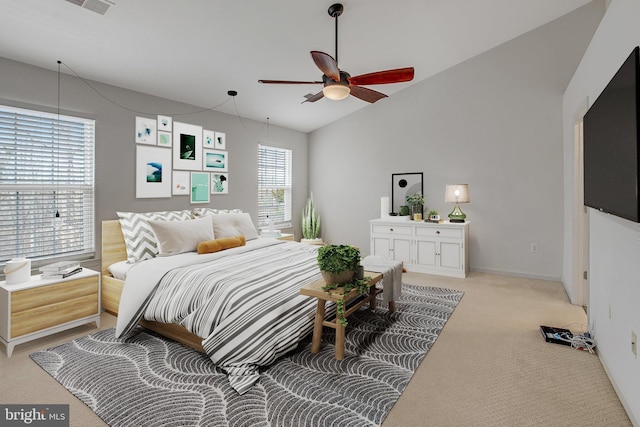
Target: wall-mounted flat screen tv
point(611, 145)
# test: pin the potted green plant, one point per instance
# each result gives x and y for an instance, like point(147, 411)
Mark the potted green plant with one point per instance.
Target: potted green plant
point(433, 215)
point(338, 263)
point(310, 224)
point(416, 201)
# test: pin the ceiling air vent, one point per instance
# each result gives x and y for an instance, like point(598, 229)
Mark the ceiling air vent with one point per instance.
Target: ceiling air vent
point(98, 6)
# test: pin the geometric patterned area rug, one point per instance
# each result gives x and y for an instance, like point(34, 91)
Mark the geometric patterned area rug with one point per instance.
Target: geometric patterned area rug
point(151, 381)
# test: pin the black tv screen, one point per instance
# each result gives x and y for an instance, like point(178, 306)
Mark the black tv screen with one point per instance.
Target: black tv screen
point(611, 145)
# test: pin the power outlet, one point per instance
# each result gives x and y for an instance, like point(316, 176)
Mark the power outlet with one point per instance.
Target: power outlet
point(634, 344)
point(534, 248)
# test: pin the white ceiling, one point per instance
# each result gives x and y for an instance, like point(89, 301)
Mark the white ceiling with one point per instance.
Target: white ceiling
point(194, 51)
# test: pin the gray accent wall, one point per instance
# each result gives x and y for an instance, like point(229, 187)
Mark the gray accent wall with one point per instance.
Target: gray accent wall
point(26, 86)
point(494, 122)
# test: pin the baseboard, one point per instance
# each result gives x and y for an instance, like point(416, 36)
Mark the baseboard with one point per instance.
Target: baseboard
point(625, 404)
point(517, 274)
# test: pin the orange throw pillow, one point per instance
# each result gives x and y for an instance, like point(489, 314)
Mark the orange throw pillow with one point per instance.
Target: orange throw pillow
point(217, 245)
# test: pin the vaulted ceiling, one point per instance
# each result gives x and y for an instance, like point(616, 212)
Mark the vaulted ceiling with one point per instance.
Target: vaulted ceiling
point(195, 51)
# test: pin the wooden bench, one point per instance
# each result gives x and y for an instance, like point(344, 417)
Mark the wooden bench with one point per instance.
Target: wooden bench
point(314, 289)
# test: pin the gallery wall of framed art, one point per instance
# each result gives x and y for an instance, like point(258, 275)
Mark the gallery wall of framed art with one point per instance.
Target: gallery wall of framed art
point(175, 159)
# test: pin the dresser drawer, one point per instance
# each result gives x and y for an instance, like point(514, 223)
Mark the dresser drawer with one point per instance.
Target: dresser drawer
point(453, 233)
point(392, 229)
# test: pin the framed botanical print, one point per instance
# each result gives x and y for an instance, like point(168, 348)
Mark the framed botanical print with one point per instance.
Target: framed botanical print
point(219, 183)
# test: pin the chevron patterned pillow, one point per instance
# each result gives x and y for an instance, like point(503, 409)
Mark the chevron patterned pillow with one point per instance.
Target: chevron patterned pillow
point(139, 238)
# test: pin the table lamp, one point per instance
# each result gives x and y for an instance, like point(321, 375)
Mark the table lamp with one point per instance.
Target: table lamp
point(457, 193)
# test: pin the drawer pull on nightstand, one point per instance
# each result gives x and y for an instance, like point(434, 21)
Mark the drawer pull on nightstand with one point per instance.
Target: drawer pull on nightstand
point(437, 231)
point(391, 229)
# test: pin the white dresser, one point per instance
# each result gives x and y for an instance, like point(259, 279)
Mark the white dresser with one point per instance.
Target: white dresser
point(423, 247)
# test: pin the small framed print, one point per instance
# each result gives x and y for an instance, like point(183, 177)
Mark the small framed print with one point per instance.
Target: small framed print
point(187, 146)
point(180, 184)
point(165, 123)
point(153, 172)
point(199, 187)
point(219, 183)
point(208, 139)
point(215, 161)
point(145, 131)
point(164, 139)
point(220, 141)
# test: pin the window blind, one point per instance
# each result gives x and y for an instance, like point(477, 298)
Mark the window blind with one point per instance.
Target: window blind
point(274, 184)
point(46, 166)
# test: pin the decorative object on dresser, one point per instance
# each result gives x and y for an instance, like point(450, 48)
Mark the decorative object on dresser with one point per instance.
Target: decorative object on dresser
point(457, 193)
point(43, 306)
point(423, 247)
point(17, 270)
point(416, 202)
point(403, 185)
point(433, 216)
point(310, 224)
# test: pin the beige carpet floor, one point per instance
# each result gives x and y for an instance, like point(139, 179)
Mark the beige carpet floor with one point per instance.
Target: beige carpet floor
point(489, 367)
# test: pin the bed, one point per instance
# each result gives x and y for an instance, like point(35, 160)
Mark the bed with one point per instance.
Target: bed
point(275, 319)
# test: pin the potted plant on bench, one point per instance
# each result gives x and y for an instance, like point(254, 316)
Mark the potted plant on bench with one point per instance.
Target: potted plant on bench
point(338, 265)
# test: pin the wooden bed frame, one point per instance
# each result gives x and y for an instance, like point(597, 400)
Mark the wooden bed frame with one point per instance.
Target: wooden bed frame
point(114, 250)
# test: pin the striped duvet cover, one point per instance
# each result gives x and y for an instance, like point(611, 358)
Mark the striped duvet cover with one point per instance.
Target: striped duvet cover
point(244, 302)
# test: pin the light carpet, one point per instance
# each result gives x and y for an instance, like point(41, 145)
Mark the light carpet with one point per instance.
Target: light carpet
point(149, 380)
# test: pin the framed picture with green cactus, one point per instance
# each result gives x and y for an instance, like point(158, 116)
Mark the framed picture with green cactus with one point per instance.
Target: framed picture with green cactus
point(311, 224)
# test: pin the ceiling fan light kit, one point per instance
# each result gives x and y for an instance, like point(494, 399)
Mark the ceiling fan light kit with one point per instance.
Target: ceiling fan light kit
point(339, 84)
point(336, 90)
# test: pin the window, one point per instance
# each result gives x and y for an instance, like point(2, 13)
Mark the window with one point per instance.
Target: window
point(46, 166)
point(274, 185)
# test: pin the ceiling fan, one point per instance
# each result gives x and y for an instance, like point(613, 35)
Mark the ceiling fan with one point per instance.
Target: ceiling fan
point(338, 84)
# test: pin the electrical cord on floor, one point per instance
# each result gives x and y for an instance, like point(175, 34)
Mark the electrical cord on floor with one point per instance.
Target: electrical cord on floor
point(584, 341)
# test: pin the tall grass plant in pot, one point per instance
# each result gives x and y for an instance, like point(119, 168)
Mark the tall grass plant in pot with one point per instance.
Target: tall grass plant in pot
point(311, 224)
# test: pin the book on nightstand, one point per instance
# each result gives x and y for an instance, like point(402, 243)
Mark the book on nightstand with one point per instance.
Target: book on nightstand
point(60, 266)
point(62, 273)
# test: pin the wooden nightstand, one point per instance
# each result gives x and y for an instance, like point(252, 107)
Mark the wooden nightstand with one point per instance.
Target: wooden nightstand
point(41, 307)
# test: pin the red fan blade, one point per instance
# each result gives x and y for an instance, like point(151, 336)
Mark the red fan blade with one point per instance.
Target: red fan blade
point(382, 77)
point(327, 64)
point(314, 98)
point(288, 82)
point(365, 94)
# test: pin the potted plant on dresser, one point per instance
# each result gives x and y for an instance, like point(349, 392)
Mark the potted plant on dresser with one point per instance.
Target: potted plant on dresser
point(310, 224)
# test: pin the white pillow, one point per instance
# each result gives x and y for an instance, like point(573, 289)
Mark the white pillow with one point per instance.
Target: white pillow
point(234, 224)
point(176, 237)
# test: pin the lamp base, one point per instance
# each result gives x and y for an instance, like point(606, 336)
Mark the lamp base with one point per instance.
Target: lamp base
point(457, 215)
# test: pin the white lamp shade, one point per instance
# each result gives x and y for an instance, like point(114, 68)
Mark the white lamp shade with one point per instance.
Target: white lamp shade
point(456, 193)
point(336, 92)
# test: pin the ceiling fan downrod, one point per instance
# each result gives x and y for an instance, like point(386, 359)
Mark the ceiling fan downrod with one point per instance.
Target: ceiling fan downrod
point(336, 10)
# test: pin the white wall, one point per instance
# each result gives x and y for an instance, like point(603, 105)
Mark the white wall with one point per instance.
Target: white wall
point(614, 245)
point(493, 121)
